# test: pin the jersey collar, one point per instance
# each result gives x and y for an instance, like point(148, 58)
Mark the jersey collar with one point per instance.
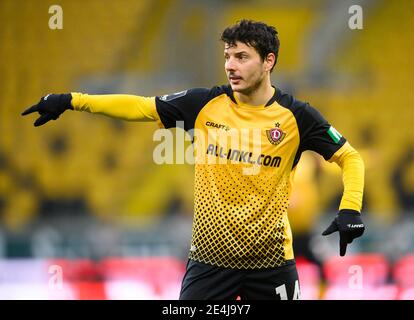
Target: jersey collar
point(276, 95)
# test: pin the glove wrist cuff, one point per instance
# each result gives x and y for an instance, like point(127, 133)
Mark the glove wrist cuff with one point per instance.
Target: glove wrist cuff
point(67, 100)
point(349, 211)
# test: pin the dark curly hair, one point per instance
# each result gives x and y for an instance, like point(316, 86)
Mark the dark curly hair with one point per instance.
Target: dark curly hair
point(255, 34)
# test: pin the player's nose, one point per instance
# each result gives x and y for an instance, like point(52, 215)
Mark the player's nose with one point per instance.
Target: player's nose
point(230, 65)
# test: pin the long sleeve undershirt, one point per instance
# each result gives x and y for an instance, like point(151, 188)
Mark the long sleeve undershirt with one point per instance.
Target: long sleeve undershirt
point(120, 106)
point(352, 165)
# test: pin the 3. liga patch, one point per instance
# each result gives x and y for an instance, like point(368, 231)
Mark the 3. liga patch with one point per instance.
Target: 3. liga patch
point(169, 97)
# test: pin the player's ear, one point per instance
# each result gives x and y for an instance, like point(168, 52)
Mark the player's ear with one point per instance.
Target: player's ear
point(270, 60)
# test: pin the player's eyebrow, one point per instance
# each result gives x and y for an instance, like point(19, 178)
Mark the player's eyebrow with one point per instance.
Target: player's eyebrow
point(238, 53)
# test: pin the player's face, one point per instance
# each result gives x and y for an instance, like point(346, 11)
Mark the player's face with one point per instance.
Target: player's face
point(244, 67)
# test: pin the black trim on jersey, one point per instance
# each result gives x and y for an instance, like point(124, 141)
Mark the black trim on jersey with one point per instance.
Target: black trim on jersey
point(313, 128)
point(185, 106)
point(272, 99)
point(228, 90)
point(230, 93)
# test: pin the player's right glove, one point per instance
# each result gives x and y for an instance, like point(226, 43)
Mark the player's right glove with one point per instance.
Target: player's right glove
point(350, 226)
point(50, 107)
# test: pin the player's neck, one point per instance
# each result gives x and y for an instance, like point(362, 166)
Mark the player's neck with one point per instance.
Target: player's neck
point(258, 97)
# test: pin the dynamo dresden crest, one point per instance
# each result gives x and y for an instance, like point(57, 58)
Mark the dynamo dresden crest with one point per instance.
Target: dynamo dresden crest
point(275, 135)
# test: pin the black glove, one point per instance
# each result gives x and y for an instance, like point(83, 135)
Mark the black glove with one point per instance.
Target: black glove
point(50, 107)
point(350, 226)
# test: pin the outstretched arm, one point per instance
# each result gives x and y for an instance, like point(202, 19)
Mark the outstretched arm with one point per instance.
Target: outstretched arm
point(120, 106)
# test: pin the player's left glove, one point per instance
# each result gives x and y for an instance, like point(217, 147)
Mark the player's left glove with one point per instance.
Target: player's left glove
point(50, 107)
point(350, 226)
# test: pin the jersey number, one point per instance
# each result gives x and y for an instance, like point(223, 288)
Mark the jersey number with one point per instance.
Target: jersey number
point(281, 291)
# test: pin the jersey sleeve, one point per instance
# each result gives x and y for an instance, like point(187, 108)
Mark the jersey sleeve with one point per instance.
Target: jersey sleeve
point(317, 134)
point(353, 171)
point(183, 106)
point(119, 106)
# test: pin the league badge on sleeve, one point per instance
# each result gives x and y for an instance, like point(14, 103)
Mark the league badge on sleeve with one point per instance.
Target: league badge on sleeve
point(275, 135)
point(169, 97)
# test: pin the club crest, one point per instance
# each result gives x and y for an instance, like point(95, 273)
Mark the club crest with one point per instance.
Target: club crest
point(275, 135)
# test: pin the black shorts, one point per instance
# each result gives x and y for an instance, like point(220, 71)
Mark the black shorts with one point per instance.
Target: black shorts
point(206, 282)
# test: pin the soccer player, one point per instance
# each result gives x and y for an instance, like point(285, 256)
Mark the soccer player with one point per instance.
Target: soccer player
point(241, 240)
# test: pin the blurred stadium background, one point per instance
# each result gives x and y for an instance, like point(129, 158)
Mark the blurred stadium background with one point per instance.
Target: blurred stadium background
point(82, 196)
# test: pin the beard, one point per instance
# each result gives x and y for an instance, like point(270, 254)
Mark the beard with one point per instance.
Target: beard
point(252, 87)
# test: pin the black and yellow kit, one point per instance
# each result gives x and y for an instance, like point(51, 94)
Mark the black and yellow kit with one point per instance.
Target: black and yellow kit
point(241, 192)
